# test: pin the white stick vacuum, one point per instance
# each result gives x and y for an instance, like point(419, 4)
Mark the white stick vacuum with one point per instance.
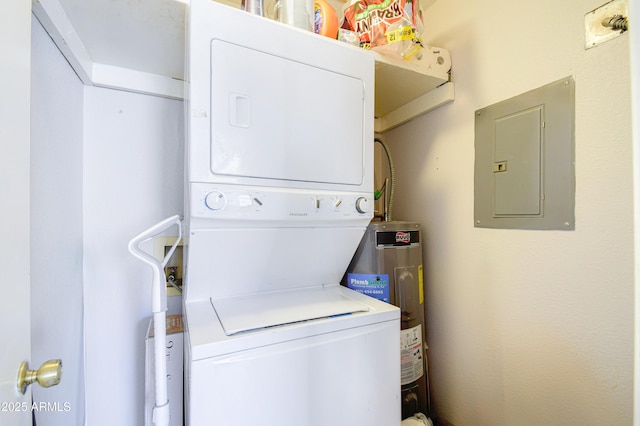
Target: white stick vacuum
point(159, 307)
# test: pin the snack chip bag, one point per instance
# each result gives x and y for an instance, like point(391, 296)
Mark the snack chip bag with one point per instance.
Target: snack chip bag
point(386, 25)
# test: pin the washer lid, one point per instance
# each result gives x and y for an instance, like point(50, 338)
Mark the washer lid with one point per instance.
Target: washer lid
point(262, 310)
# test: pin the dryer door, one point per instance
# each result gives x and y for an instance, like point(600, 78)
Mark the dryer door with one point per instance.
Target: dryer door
point(276, 118)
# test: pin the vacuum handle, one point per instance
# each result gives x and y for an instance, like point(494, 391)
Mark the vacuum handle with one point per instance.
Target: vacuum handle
point(159, 298)
point(134, 244)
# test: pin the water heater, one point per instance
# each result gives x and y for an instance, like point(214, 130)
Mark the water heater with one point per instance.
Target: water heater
point(388, 266)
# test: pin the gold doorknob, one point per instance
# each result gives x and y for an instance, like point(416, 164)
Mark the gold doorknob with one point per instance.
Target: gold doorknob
point(49, 374)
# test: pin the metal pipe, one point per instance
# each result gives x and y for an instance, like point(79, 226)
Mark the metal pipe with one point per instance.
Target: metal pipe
point(616, 22)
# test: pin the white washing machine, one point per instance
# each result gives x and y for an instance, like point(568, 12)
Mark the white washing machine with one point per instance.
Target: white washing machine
point(279, 193)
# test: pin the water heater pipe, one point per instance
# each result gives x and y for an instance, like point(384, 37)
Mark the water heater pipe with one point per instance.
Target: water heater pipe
point(388, 208)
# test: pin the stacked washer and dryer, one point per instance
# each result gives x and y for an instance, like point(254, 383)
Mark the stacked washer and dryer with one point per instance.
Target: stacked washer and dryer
point(279, 192)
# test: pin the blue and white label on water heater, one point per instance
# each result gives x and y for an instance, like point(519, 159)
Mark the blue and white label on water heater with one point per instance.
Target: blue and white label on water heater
point(374, 285)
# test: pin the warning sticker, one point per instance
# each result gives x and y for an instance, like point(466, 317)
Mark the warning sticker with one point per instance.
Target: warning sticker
point(374, 285)
point(411, 354)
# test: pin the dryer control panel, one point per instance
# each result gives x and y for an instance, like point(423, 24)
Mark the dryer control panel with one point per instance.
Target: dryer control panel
point(260, 204)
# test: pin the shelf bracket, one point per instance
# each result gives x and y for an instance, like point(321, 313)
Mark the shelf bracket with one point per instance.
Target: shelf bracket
point(439, 96)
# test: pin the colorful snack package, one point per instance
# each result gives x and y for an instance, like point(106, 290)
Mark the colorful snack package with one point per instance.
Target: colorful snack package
point(388, 26)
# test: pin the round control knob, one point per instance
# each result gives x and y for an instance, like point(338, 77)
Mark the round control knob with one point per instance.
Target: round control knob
point(362, 205)
point(215, 200)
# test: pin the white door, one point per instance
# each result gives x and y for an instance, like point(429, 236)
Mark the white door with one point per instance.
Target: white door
point(15, 51)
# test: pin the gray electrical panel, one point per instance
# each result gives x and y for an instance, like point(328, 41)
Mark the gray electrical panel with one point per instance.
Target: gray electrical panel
point(524, 160)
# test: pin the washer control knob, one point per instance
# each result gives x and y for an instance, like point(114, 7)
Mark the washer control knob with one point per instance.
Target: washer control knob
point(215, 200)
point(362, 205)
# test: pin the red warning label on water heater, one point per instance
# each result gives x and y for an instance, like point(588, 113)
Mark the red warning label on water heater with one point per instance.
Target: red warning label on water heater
point(403, 237)
point(411, 354)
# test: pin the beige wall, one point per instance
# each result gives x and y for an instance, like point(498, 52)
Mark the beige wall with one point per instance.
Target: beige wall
point(524, 327)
